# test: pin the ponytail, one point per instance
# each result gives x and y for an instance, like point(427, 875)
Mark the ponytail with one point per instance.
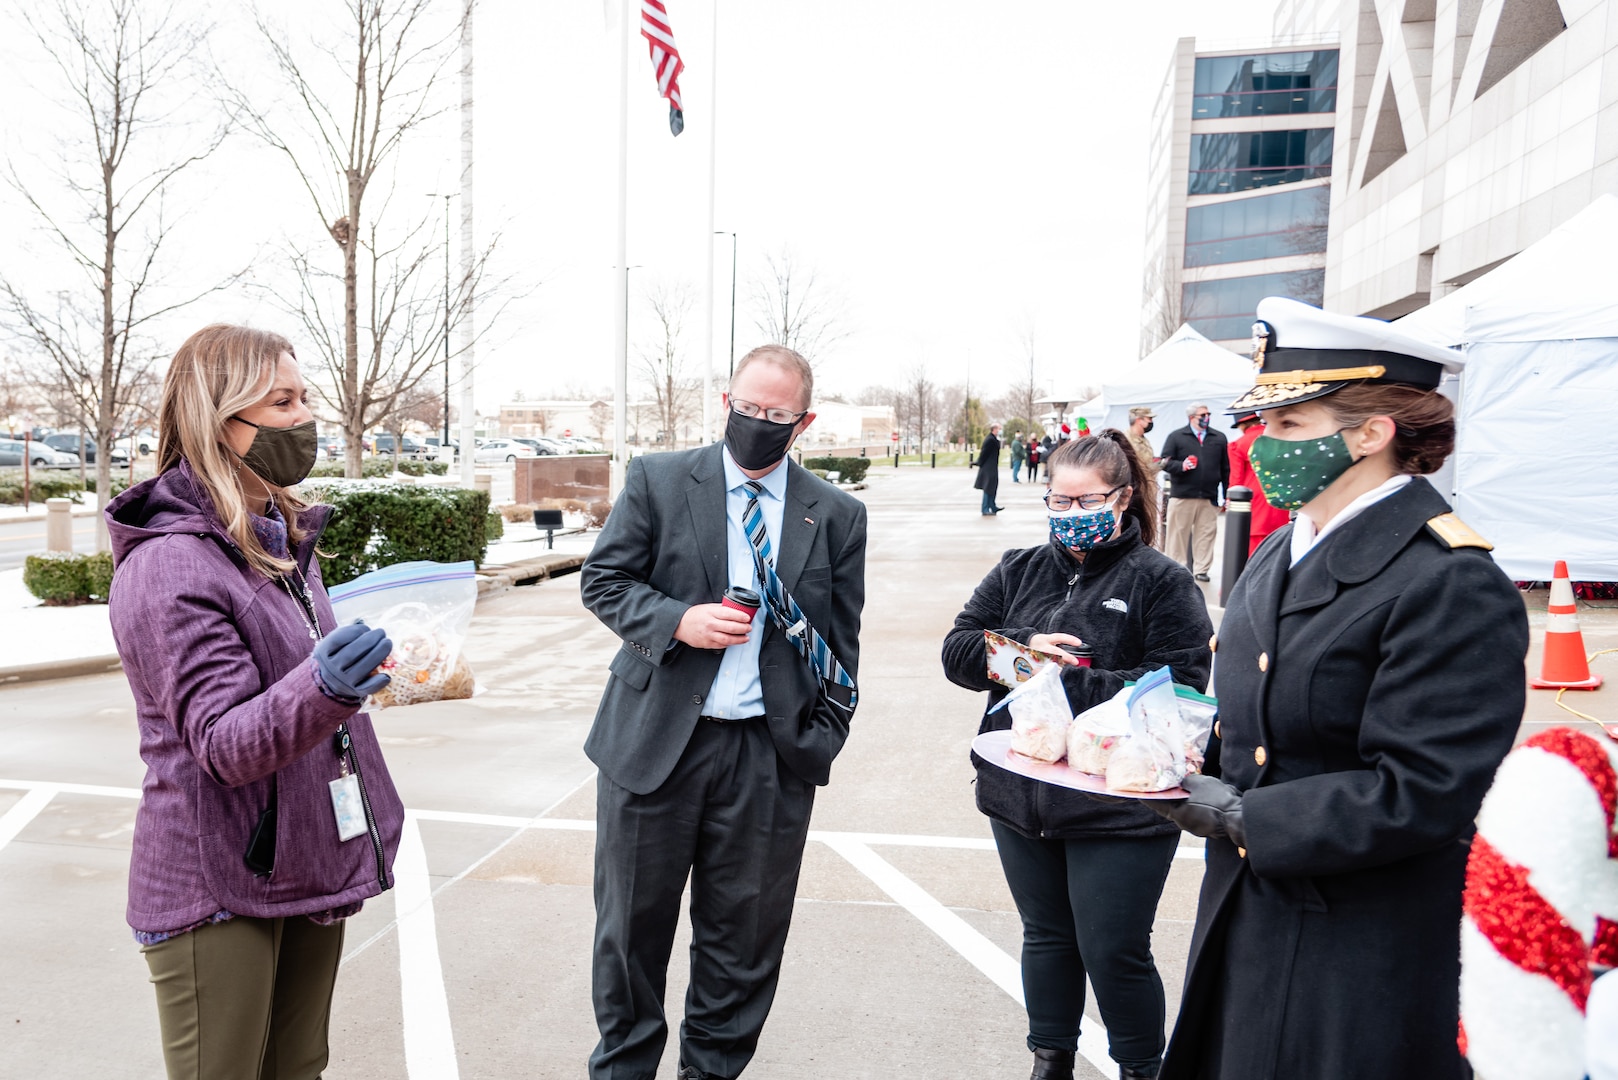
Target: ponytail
point(1110, 453)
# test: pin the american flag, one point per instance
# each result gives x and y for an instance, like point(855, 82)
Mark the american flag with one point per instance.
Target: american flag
point(666, 62)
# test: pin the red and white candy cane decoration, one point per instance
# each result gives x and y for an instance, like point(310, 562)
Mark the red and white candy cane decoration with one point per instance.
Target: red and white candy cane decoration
point(1541, 906)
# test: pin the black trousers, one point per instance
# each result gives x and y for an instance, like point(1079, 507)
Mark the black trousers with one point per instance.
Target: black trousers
point(1087, 908)
point(734, 819)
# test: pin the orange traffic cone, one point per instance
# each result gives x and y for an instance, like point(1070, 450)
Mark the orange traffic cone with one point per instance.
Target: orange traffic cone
point(1565, 666)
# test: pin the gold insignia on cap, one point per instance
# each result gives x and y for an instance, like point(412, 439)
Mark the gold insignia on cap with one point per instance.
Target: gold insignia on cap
point(1456, 533)
point(1342, 374)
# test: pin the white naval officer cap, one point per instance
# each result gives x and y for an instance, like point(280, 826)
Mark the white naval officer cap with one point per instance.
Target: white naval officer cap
point(1303, 353)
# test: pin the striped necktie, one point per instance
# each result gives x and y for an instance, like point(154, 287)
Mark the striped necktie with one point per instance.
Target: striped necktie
point(788, 616)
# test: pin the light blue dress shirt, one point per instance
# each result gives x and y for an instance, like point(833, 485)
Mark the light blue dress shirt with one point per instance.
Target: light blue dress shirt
point(737, 691)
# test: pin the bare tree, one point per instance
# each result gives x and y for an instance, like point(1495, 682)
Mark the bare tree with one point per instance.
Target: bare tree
point(1161, 294)
point(663, 360)
point(123, 69)
point(790, 310)
point(375, 314)
point(600, 419)
point(923, 406)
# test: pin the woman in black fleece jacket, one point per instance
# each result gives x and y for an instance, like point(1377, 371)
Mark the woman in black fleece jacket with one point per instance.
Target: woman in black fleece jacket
point(1086, 872)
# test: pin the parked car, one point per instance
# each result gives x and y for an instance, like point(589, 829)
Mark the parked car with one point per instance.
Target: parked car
point(142, 442)
point(331, 446)
point(503, 450)
point(408, 447)
point(68, 443)
point(435, 451)
point(40, 455)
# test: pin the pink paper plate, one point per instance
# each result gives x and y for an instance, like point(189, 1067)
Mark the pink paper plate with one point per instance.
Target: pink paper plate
point(995, 748)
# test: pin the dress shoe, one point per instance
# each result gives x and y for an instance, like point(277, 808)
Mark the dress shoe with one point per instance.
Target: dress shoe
point(1202, 577)
point(1126, 1073)
point(998, 509)
point(988, 513)
point(1052, 1065)
point(691, 1072)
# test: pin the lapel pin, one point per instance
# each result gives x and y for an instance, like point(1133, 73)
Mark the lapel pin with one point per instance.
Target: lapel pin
point(808, 521)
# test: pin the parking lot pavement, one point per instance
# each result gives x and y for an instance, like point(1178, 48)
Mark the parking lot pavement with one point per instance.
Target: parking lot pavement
point(902, 960)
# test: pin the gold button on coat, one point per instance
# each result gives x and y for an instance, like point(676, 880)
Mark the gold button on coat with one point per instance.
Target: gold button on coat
point(1260, 756)
point(1216, 730)
point(1264, 661)
point(1213, 643)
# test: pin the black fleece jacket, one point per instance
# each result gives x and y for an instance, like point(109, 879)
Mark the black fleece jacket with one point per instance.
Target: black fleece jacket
point(1138, 609)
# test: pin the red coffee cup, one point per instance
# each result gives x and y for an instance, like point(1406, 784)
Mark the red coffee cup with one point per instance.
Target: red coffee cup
point(1082, 654)
point(1191, 462)
point(743, 600)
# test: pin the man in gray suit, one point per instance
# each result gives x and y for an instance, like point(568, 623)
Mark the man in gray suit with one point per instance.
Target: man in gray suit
point(714, 729)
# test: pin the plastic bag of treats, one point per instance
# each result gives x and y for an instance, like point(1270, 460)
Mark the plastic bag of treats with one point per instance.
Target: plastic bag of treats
point(1040, 716)
point(1096, 732)
point(426, 608)
point(1152, 757)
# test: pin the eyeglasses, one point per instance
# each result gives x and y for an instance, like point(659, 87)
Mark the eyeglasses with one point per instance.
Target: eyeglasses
point(1094, 501)
point(774, 416)
point(1201, 416)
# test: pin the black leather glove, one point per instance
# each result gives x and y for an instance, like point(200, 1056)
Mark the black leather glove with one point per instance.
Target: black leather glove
point(1214, 809)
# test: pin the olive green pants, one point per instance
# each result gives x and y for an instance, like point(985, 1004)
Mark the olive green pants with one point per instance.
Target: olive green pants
point(246, 999)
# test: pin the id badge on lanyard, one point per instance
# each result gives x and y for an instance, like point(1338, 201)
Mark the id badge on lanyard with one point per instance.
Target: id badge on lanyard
point(347, 807)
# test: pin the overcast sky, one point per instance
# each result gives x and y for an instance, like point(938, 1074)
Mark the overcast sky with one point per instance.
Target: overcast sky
point(953, 172)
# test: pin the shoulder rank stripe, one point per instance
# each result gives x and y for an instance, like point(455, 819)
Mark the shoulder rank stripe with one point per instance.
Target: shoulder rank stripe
point(1456, 533)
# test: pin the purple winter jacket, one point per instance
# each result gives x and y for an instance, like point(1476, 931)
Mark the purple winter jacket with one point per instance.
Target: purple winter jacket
point(218, 658)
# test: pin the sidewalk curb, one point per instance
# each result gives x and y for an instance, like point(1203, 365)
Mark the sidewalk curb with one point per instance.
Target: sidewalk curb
point(491, 582)
point(23, 519)
point(60, 669)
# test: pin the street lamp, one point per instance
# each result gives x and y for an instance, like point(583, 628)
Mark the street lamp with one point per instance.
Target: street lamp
point(444, 446)
point(722, 232)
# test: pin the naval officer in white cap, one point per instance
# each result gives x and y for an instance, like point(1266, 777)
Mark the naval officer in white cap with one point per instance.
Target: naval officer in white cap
point(1369, 670)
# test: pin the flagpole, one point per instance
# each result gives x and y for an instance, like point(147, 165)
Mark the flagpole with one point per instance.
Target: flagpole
point(620, 354)
point(713, 143)
point(469, 466)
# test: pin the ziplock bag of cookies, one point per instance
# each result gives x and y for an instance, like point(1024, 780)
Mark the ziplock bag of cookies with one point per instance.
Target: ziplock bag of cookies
point(426, 608)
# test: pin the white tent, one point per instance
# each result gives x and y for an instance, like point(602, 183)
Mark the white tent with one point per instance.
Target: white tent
point(1185, 369)
point(1537, 443)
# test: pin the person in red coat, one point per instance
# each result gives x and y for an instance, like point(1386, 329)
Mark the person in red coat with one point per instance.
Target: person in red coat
point(1266, 518)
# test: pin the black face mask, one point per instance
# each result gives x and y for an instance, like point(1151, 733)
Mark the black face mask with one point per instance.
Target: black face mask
point(282, 457)
point(1148, 426)
point(756, 443)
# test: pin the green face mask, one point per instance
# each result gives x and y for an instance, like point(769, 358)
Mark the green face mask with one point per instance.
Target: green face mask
point(1292, 473)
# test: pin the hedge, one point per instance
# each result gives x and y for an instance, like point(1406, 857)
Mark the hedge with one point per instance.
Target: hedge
point(376, 526)
point(852, 469)
point(380, 468)
point(60, 578)
point(495, 527)
point(40, 487)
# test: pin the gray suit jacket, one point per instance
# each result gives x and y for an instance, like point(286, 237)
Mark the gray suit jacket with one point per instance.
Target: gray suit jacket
point(662, 550)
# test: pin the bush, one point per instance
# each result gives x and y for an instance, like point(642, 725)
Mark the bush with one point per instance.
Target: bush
point(377, 526)
point(380, 468)
point(515, 512)
point(494, 526)
point(60, 578)
point(851, 468)
point(40, 487)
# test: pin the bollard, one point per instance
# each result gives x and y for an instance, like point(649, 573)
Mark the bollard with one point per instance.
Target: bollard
point(896, 459)
point(1238, 529)
point(59, 525)
point(935, 459)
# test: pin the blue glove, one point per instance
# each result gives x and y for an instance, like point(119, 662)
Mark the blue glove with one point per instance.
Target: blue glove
point(348, 655)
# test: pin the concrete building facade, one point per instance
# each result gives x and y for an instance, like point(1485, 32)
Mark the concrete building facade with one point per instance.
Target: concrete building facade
point(1463, 131)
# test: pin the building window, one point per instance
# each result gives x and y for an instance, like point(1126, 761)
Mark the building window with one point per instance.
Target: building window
point(1263, 227)
point(1224, 309)
point(1242, 160)
point(1270, 84)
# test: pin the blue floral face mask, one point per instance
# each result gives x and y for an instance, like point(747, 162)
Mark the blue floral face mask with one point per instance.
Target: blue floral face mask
point(1081, 530)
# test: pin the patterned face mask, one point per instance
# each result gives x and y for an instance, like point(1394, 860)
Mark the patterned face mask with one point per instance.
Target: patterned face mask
point(1081, 530)
point(1292, 473)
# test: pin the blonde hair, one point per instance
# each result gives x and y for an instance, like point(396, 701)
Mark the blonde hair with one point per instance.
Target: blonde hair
point(218, 372)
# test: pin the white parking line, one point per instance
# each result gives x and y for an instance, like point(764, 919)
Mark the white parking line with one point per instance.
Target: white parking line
point(25, 810)
point(429, 1039)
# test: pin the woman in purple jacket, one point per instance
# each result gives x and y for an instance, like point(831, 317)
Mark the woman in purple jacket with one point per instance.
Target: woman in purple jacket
point(267, 815)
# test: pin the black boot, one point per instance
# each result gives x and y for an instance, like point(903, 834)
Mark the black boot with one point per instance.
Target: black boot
point(1126, 1073)
point(1052, 1065)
